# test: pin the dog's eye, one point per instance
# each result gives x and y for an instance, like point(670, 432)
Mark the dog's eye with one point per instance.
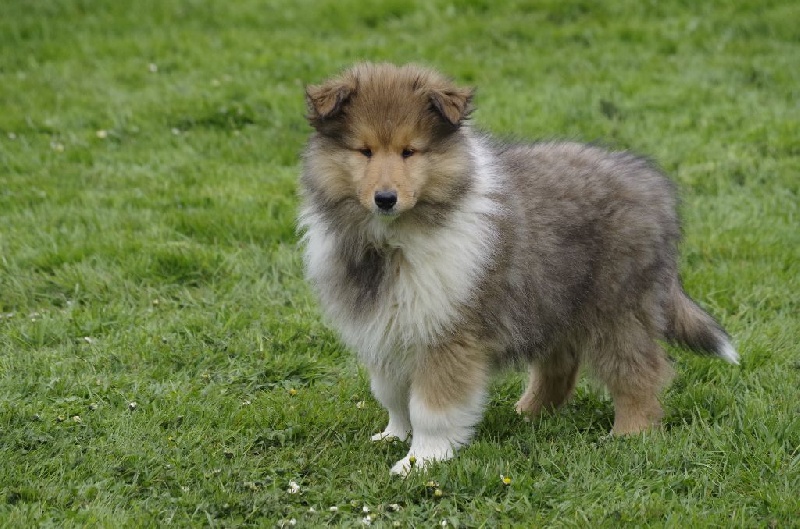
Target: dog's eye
point(407, 153)
point(366, 152)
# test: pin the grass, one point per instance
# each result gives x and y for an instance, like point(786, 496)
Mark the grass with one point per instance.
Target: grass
point(163, 363)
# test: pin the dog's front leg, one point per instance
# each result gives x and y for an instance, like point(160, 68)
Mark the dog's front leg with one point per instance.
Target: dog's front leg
point(391, 390)
point(448, 394)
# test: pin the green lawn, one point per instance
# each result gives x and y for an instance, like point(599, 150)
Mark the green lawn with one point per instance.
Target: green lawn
point(163, 362)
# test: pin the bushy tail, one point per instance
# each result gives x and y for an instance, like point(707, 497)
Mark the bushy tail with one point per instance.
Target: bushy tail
point(694, 328)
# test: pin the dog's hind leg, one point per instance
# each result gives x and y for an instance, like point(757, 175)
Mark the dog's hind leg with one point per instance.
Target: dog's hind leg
point(448, 394)
point(635, 368)
point(392, 391)
point(550, 384)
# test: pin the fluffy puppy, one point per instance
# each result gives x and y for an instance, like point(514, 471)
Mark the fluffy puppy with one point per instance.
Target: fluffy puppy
point(440, 254)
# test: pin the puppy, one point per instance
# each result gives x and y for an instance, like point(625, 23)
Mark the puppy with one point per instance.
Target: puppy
point(440, 254)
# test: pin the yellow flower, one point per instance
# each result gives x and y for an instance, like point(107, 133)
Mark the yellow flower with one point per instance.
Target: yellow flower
point(505, 479)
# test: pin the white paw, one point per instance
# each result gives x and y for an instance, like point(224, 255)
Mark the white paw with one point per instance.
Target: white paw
point(382, 436)
point(394, 430)
point(389, 436)
point(404, 467)
point(421, 459)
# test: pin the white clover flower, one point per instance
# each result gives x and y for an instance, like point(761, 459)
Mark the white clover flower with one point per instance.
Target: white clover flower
point(294, 488)
point(333, 508)
point(366, 520)
point(102, 134)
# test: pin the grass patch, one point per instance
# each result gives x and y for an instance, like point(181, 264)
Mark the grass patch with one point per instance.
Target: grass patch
point(162, 361)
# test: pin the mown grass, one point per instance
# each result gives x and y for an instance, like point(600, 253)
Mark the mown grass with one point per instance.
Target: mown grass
point(148, 158)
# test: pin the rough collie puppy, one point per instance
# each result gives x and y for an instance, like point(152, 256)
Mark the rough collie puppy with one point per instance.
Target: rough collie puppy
point(440, 254)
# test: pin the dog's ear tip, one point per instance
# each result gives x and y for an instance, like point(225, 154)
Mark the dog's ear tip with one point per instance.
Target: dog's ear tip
point(326, 100)
point(454, 104)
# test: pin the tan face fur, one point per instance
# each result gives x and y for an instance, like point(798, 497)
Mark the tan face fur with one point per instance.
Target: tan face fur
point(388, 167)
point(385, 130)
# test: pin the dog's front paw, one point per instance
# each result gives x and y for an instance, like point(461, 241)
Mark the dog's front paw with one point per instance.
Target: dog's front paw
point(382, 436)
point(421, 458)
point(387, 435)
point(393, 431)
point(404, 467)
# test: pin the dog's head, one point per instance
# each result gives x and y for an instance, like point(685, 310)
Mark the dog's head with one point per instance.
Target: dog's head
point(389, 135)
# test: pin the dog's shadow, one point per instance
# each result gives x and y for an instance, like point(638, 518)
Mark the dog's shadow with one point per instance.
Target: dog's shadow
point(587, 413)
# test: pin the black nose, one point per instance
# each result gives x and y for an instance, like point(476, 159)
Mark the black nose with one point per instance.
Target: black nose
point(385, 200)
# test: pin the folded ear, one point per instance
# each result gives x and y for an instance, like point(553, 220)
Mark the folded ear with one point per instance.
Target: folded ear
point(326, 100)
point(453, 103)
